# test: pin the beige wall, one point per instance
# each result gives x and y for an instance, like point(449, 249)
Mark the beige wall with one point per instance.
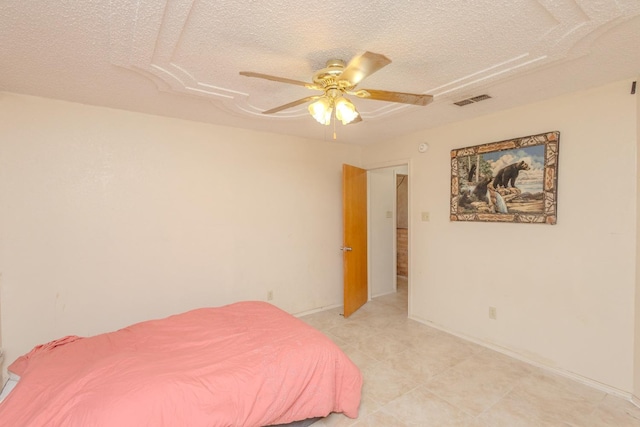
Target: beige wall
point(564, 293)
point(111, 217)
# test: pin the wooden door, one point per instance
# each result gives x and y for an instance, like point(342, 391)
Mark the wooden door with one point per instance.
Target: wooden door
point(354, 244)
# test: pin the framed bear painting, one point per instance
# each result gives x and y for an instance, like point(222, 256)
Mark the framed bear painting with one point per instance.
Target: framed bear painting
point(507, 181)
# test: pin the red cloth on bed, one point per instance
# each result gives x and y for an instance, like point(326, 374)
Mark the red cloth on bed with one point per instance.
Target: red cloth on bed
point(245, 364)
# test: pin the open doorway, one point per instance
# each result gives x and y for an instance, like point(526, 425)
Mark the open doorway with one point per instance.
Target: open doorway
point(388, 230)
point(402, 232)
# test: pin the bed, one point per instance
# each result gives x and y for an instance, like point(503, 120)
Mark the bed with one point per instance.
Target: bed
point(244, 364)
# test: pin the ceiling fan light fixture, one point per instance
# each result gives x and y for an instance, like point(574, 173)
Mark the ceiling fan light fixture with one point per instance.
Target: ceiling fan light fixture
point(321, 110)
point(337, 79)
point(345, 110)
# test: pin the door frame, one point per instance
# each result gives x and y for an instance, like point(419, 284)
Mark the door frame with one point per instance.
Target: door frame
point(383, 165)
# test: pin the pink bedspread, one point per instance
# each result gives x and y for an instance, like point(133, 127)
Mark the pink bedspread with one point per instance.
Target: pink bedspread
point(245, 364)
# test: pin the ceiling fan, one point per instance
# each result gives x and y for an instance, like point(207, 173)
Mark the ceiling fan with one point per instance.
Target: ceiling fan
point(336, 80)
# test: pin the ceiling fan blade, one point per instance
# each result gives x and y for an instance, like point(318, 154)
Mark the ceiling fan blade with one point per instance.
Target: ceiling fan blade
point(383, 95)
point(363, 66)
point(280, 79)
point(291, 104)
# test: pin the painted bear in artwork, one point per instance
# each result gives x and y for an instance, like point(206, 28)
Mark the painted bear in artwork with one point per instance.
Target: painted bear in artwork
point(481, 189)
point(508, 174)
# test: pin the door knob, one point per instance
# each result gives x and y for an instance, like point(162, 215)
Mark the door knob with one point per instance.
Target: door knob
point(345, 249)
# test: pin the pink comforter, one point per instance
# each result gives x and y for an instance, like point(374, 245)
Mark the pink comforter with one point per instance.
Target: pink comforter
point(245, 364)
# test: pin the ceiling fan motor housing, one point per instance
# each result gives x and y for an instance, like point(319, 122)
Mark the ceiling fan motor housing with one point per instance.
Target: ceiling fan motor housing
point(328, 76)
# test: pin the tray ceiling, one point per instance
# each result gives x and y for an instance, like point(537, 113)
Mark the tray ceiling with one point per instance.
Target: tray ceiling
point(181, 58)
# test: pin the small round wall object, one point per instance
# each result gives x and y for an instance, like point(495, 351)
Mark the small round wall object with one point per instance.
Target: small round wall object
point(423, 147)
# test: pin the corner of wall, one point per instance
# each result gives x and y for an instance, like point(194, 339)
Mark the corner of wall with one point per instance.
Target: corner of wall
point(3, 370)
point(636, 344)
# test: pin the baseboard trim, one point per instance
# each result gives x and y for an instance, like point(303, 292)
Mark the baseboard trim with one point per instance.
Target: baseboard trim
point(317, 310)
point(383, 294)
point(567, 374)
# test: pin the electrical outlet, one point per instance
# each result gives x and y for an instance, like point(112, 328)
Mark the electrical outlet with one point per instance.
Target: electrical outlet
point(270, 296)
point(425, 216)
point(493, 314)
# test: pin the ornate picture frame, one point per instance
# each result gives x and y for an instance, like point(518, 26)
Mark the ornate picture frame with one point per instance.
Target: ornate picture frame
point(515, 180)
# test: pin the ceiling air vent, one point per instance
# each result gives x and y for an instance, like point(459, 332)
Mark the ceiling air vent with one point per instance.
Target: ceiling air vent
point(480, 98)
point(472, 100)
point(463, 103)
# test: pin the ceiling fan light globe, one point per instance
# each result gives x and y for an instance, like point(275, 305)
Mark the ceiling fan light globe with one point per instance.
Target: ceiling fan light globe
point(346, 118)
point(321, 111)
point(345, 111)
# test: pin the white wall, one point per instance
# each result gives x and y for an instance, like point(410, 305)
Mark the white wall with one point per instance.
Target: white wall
point(564, 293)
point(111, 217)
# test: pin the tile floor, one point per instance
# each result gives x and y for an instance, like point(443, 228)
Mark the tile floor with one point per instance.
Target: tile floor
point(415, 375)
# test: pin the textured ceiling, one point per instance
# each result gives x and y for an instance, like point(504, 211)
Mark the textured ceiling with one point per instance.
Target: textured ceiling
point(181, 58)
